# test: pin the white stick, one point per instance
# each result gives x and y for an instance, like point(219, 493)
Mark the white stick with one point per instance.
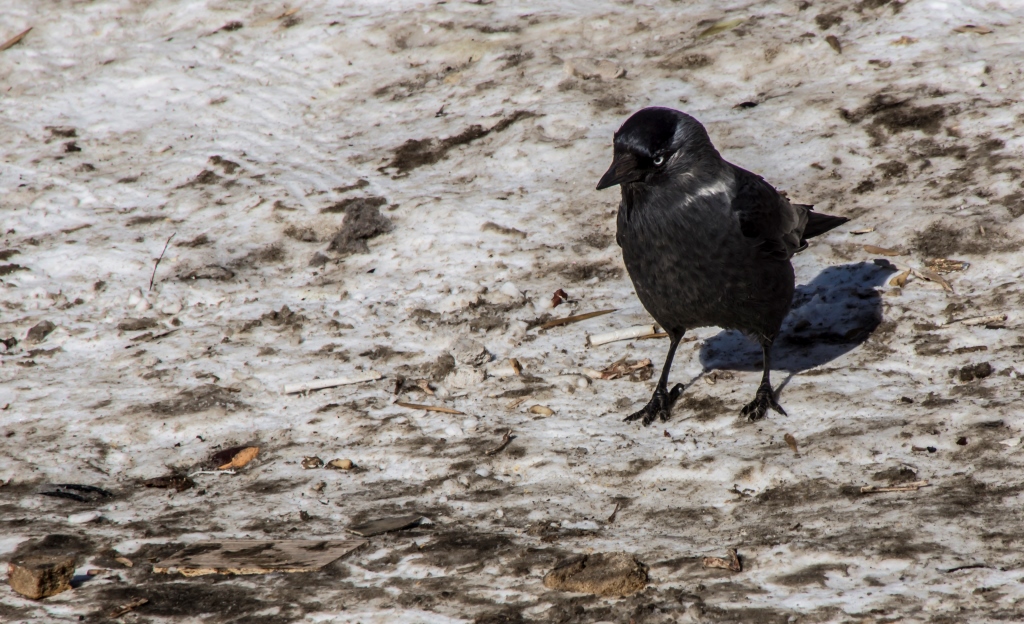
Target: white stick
point(981, 320)
point(320, 384)
point(627, 333)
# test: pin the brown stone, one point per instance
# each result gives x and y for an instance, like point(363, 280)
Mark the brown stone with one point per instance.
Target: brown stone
point(603, 574)
point(40, 575)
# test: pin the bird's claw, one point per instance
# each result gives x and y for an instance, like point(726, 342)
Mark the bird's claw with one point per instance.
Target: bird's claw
point(660, 406)
point(758, 408)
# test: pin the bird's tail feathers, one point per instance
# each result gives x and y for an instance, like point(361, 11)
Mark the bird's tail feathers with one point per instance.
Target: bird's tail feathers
point(818, 224)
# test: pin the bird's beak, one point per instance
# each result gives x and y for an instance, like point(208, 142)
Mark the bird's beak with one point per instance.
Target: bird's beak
point(624, 169)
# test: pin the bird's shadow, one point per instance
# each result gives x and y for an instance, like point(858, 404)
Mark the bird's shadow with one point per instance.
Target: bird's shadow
point(833, 314)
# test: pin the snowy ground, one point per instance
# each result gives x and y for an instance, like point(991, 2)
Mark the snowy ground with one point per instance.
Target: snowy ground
point(242, 129)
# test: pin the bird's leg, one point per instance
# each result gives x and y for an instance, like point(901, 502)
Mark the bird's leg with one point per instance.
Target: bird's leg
point(660, 405)
point(765, 398)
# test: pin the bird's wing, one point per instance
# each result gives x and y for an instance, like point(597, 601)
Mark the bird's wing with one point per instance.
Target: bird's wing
point(766, 218)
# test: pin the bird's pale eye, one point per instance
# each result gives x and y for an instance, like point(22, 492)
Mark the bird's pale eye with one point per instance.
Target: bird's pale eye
point(659, 161)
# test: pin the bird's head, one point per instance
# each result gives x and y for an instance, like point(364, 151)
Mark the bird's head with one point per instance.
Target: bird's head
point(657, 144)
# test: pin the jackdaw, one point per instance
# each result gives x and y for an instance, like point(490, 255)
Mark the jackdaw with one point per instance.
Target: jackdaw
point(705, 242)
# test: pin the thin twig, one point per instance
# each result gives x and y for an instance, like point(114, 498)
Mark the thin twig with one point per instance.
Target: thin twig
point(430, 408)
point(574, 319)
point(906, 487)
point(615, 511)
point(15, 39)
point(137, 602)
point(155, 265)
point(508, 437)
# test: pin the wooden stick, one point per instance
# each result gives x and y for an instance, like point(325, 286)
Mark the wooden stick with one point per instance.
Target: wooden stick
point(906, 487)
point(137, 602)
point(505, 440)
point(431, 408)
point(15, 39)
point(153, 276)
point(627, 333)
point(320, 384)
point(575, 319)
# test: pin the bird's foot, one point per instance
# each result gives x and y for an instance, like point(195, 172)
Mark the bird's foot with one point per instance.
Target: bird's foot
point(765, 398)
point(660, 406)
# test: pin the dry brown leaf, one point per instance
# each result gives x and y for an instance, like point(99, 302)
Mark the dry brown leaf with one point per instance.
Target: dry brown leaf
point(558, 298)
point(15, 39)
point(424, 385)
point(904, 41)
point(623, 368)
point(973, 28)
point(517, 368)
point(833, 41)
point(946, 265)
point(241, 458)
point(542, 410)
point(791, 442)
point(125, 561)
point(732, 563)
point(933, 277)
point(430, 408)
point(341, 464)
point(900, 279)
point(881, 251)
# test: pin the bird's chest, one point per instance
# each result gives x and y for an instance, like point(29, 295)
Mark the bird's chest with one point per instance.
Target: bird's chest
point(694, 255)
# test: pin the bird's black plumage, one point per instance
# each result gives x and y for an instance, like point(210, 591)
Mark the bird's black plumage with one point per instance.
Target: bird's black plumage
point(705, 242)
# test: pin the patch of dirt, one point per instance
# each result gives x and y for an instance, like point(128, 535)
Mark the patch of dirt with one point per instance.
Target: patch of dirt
point(363, 221)
point(194, 400)
point(704, 408)
point(943, 241)
point(897, 115)
point(343, 206)
point(491, 226)
point(416, 153)
point(582, 271)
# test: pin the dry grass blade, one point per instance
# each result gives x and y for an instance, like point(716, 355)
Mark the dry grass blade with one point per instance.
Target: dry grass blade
point(863, 231)
point(514, 403)
point(430, 408)
point(15, 39)
point(623, 368)
point(905, 487)
point(505, 440)
point(137, 602)
point(732, 563)
point(721, 26)
point(933, 277)
point(574, 319)
point(973, 29)
point(882, 251)
point(988, 321)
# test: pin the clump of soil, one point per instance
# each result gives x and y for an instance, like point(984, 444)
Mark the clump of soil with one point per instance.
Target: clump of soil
point(416, 153)
point(363, 221)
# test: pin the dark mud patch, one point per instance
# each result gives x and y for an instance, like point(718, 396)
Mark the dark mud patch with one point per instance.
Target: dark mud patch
point(343, 206)
point(582, 271)
point(7, 269)
point(363, 221)
point(199, 241)
point(229, 166)
point(491, 226)
point(461, 547)
point(144, 220)
point(896, 115)
point(703, 408)
point(811, 575)
point(416, 153)
point(939, 240)
point(212, 272)
point(686, 60)
point(194, 400)
point(192, 597)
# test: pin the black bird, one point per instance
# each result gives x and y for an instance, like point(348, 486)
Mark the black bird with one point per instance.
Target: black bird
point(705, 242)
